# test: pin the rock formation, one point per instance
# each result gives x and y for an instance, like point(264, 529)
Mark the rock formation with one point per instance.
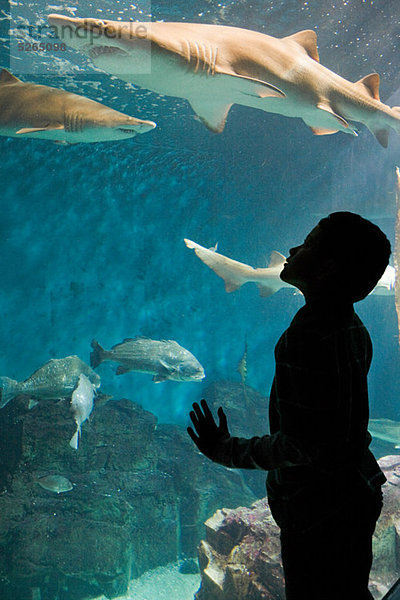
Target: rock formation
point(240, 555)
point(140, 495)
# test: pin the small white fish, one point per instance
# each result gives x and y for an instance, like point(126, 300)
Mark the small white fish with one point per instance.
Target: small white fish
point(55, 483)
point(82, 406)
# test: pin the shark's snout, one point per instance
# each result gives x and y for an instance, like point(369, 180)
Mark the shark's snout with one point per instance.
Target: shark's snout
point(139, 127)
point(145, 126)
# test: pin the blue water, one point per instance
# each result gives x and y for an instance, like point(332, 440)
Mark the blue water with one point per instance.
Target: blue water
point(91, 236)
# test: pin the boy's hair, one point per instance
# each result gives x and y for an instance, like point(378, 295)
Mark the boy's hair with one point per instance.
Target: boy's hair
point(360, 249)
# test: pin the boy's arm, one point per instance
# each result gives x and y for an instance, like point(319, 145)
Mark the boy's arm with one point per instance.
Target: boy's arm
point(266, 452)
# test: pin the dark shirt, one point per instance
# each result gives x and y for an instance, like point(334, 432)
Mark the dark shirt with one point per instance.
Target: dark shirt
point(318, 409)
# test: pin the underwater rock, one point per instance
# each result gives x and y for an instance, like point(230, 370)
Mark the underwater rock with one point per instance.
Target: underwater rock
point(247, 414)
point(140, 496)
point(202, 486)
point(240, 555)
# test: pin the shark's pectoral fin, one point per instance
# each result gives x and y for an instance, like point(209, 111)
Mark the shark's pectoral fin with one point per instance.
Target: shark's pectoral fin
point(26, 130)
point(307, 39)
point(250, 86)
point(265, 290)
point(231, 286)
point(212, 114)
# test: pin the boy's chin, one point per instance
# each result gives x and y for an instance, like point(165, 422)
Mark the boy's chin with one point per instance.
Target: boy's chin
point(284, 275)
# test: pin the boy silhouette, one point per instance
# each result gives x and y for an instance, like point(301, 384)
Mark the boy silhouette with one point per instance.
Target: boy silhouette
point(323, 483)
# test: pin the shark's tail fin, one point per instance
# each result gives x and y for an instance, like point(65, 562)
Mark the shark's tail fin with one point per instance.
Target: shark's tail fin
point(98, 354)
point(9, 388)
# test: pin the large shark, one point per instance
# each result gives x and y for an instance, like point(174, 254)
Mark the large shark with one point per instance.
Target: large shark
point(39, 111)
point(215, 66)
point(385, 429)
point(235, 273)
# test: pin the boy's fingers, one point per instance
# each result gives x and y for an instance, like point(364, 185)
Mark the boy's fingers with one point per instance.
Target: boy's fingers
point(223, 423)
point(207, 411)
point(194, 419)
point(193, 436)
point(198, 411)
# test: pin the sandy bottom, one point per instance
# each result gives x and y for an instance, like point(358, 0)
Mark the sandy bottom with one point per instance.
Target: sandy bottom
point(163, 583)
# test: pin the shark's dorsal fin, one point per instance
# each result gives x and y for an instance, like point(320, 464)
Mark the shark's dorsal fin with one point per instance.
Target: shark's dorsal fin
point(370, 84)
point(7, 77)
point(307, 39)
point(277, 259)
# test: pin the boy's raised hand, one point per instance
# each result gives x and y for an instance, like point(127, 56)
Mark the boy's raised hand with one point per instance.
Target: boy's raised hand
point(209, 434)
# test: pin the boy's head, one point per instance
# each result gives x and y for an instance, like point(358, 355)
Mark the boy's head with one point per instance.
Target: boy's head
point(344, 254)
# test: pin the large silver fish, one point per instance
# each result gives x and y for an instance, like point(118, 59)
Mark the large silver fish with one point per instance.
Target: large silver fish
point(81, 405)
point(40, 111)
point(215, 66)
point(165, 359)
point(55, 379)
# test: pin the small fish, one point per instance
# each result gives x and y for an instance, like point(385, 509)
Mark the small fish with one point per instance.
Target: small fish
point(54, 380)
point(242, 365)
point(55, 483)
point(82, 405)
point(164, 359)
point(385, 429)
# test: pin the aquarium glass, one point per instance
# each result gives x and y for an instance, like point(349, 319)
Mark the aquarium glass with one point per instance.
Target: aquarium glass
point(92, 250)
